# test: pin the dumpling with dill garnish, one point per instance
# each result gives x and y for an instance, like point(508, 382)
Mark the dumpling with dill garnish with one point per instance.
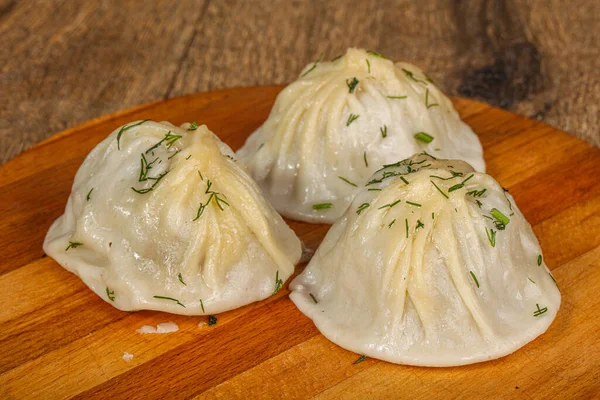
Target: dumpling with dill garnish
point(339, 122)
point(163, 218)
point(432, 264)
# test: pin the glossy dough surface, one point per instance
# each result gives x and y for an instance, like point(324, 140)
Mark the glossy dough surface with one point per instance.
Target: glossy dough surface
point(162, 217)
point(434, 266)
point(339, 122)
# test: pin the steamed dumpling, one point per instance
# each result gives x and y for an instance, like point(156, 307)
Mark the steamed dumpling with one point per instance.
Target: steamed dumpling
point(432, 264)
point(339, 122)
point(163, 218)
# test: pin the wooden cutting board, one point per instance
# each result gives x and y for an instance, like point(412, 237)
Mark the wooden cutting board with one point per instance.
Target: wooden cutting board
point(59, 340)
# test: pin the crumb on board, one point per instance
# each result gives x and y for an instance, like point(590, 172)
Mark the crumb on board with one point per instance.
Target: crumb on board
point(166, 327)
point(127, 356)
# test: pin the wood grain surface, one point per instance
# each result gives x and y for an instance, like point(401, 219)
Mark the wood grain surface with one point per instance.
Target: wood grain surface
point(63, 62)
point(59, 340)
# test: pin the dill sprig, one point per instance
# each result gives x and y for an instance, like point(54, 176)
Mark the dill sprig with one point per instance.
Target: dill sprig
point(474, 278)
point(313, 66)
point(73, 245)
point(352, 83)
point(173, 155)
point(181, 278)
point(110, 294)
point(145, 168)
point(216, 196)
point(360, 359)
point(390, 205)
point(126, 128)
point(351, 119)
point(87, 198)
point(365, 158)
point(439, 190)
point(539, 310)
point(413, 204)
point(156, 181)
point(423, 137)
point(376, 54)
point(278, 283)
point(491, 235)
point(419, 225)
point(404, 180)
point(362, 208)
point(453, 173)
point(322, 206)
point(169, 298)
point(212, 320)
point(193, 126)
point(479, 204)
point(374, 190)
point(392, 223)
point(313, 298)
point(347, 181)
point(202, 305)
point(427, 100)
point(169, 141)
point(532, 281)
point(539, 260)
point(406, 224)
point(383, 131)
point(396, 97)
point(411, 75)
point(476, 193)
point(368, 66)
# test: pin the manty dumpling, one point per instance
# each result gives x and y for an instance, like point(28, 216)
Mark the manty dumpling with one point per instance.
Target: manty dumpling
point(162, 218)
point(339, 122)
point(432, 264)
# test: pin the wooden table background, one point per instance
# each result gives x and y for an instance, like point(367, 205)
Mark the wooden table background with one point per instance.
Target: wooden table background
point(65, 62)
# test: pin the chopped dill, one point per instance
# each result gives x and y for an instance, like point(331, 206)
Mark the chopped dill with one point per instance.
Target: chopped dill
point(193, 126)
point(110, 294)
point(411, 75)
point(87, 198)
point(156, 181)
point(212, 320)
point(439, 190)
point(539, 260)
point(125, 128)
point(169, 141)
point(423, 137)
point(365, 158)
point(404, 180)
point(374, 190)
point(500, 220)
point(181, 278)
point(368, 66)
point(313, 66)
point(173, 155)
point(73, 245)
point(392, 223)
point(202, 305)
point(362, 208)
point(347, 181)
point(427, 100)
point(383, 131)
point(376, 54)
point(360, 359)
point(474, 278)
point(351, 119)
point(313, 298)
point(397, 97)
point(419, 225)
point(406, 223)
point(352, 83)
point(322, 206)
point(169, 298)
point(476, 193)
point(390, 205)
point(539, 310)
point(413, 204)
point(532, 281)
point(278, 283)
point(491, 235)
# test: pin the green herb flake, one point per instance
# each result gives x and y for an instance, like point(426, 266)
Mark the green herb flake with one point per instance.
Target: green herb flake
point(474, 278)
point(397, 97)
point(313, 298)
point(376, 54)
point(73, 245)
point(532, 281)
point(404, 180)
point(439, 190)
point(374, 190)
point(278, 283)
point(383, 131)
point(313, 66)
point(427, 100)
point(110, 294)
point(193, 126)
point(432, 215)
point(212, 320)
point(347, 181)
point(368, 66)
point(352, 83)
point(491, 235)
point(539, 310)
point(351, 119)
point(181, 278)
point(173, 155)
point(156, 181)
point(392, 223)
point(362, 208)
point(322, 206)
point(87, 198)
point(423, 137)
point(419, 225)
point(539, 260)
point(406, 223)
point(360, 359)
point(411, 75)
point(202, 305)
point(365, 158)
point(390, 205)
point(169, 141)
point(413, 204)
point(126, 128)
point(501, 220)
point(169, 298)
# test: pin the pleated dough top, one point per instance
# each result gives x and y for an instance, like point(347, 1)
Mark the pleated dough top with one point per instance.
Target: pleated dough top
point(163, 218)
point(339, 122)
point(432, 264)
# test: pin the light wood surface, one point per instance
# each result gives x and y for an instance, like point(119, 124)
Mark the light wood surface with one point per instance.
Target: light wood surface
point(63, 62)
point(59, 340)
